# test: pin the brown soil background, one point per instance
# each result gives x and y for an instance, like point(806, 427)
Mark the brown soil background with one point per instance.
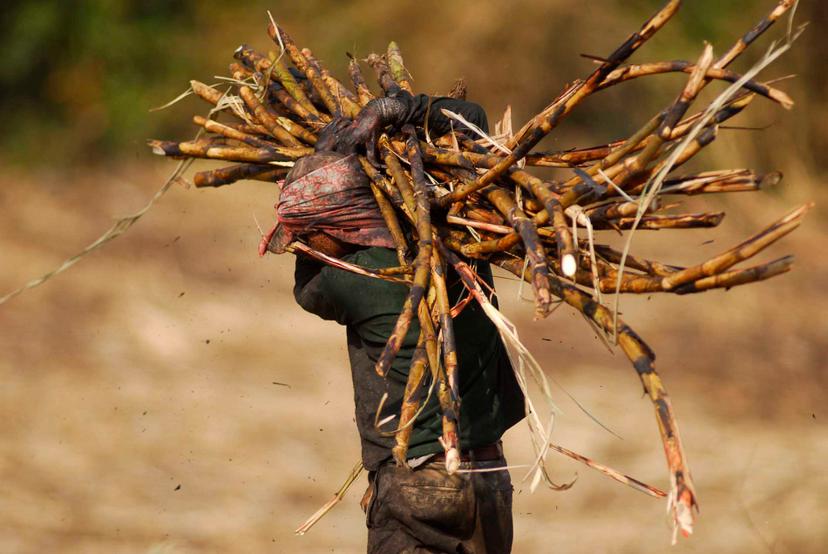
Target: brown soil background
point(168, 396)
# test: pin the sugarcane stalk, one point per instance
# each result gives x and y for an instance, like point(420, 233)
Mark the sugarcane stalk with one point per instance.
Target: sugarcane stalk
point(364, 93)
point(229, 153)
point(585, 277)
point(338, 89)
point(302, 64)
point(248, 128)
point(703, 139)
point(612, 210)
point(384, 76)
point(229, 132)
point(421, 263)
point(296, 130)
point(383, 274)
point(206, 92)
point(646, 284)
point(743, 251)
point(683, 497)
point(397, 67)
point(634, 262)
point(746, 39)
point(381, 181)
point(233, 173)
point(635, 166)
point(567, 251)
point(738, 277)
point(267, 120)
point(240, 72)
point(630, 72)
point(478, 213)
point(535, 252)
point(566, 247)
point(449, 439)
point(611, 473)
point(252, 60)
point(350, 106)
point(731, 180)
point(401, 270)
point(692, 88)
point(345, 99)
point(448, 392)
point(393, 224)
point(667, 127)
point(543, 124)
point(573, 158)
point(483, 226)
point(623, 174)
point(635, 141)
point(633, 174)
point(656, 222)
point(445, 179)
point(399, 176)
point(501, 244)
point(290, 103)
point(532, 205)
point(614, 155)
point(612, 162)
point(410, 402)
point(438, 377)
point(542, 190)
point(731, 108)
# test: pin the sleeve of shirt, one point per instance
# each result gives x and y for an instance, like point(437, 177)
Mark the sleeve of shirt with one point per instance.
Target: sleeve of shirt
point(312, 291)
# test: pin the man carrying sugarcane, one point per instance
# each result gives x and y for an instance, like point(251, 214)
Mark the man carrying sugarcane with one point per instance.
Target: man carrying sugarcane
point(417, 506)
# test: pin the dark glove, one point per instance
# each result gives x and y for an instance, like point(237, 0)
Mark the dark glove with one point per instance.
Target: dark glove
point(331, 134)
point(374, 118)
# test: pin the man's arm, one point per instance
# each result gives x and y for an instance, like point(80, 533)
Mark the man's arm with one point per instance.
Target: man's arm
point(396, 111)
point(311, 292)
point(439, 124)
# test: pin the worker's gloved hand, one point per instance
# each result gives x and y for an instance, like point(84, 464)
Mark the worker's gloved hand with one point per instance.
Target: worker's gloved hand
point(330, 135)
point(374, 118)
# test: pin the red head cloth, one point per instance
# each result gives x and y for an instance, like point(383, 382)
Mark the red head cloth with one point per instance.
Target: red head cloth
point(335, 197)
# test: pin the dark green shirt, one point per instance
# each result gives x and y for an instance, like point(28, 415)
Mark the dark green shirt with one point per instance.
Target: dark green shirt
point(490, 399)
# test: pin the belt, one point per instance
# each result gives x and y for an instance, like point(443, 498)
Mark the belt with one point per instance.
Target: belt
point(487, 453)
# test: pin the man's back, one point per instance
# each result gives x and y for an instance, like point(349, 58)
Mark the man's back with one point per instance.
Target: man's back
point(491, 400)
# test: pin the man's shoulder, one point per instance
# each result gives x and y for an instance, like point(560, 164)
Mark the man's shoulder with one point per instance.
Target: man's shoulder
point(374, 257)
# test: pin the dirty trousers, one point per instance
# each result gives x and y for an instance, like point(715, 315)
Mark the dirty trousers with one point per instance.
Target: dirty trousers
point(426, 510)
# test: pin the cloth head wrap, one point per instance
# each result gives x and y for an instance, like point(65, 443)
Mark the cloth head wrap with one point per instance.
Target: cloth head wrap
point(327, 192)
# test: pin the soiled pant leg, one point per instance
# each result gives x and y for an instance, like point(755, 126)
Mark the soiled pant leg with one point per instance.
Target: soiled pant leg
point(493, 528)
point(427, 510)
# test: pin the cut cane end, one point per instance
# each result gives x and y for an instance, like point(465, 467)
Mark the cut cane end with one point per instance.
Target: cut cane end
point(568, 265)
point(452, 461)
point(682, 504)
point(770, 179)
point(684, 519)
point(399, 455)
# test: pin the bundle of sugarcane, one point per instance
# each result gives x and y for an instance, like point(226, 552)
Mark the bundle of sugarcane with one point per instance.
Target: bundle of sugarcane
point(469, 195)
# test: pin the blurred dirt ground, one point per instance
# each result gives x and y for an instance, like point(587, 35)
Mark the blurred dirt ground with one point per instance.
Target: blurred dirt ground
point(167, 395)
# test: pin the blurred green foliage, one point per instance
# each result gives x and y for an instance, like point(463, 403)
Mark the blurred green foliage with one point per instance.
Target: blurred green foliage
point(79, 76)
